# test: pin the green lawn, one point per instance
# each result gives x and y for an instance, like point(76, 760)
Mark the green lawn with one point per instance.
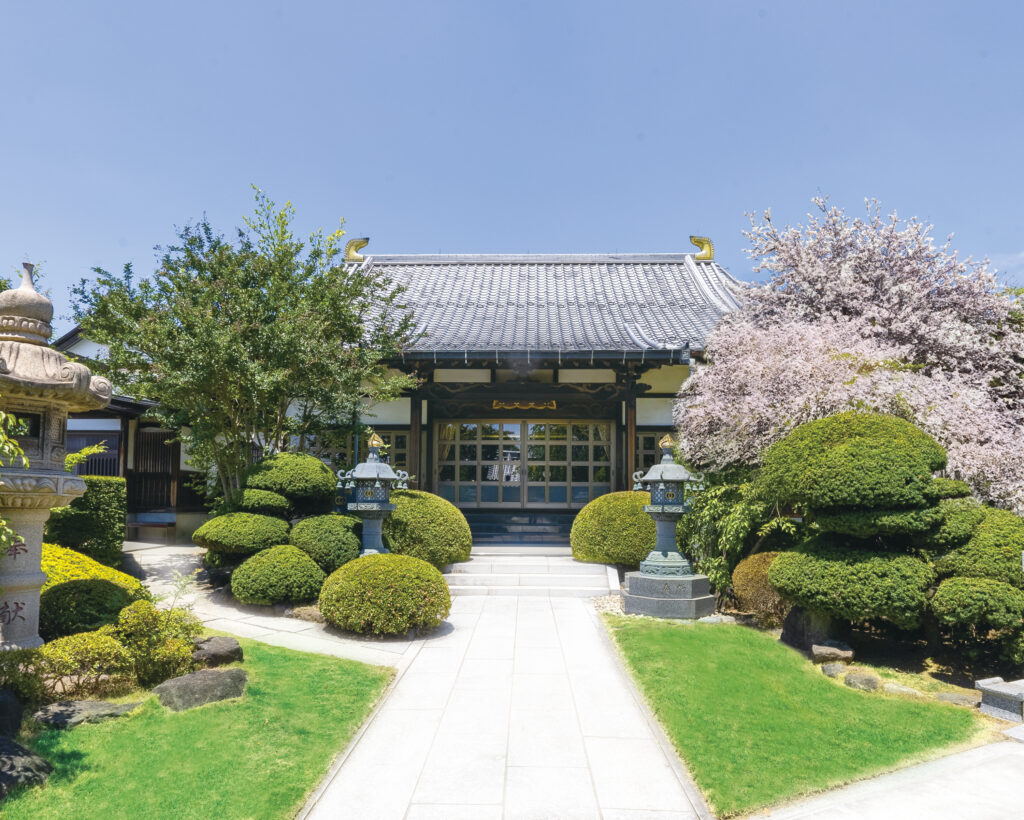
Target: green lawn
point(756, 723)
point(255, 757)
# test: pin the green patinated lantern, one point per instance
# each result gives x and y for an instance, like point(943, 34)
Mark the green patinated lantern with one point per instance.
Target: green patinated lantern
point(372, 481)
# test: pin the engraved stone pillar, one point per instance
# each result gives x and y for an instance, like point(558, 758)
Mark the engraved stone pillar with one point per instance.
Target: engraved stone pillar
point(40, 387)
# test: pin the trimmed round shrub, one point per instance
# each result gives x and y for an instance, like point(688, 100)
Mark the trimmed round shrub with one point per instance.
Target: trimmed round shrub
point(854, 584)
point(81, 594)
point(241, 533)
point(281, 574)
point(993, 551)
point(852, 460)
point(754, 593)
point(427, 526)
point(973, 601)
point(303, 479)
point(866, 523)
point(94, 523)
point(87, 663)
point(330, 540)
point(385, 595)
point(158, 640)
point(263, 502)
point(960, 517)
point(614, 529)
point(947, 488)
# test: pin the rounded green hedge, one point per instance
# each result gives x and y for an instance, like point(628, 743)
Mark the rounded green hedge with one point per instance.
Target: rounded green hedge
point(263, 502)
point(974, 601)
point(614, 529)
point(330, 540)
point(281, 574)
point(852, 460)
point(754, 593)
point(427, 526)
point(960, 517)
point(81, 594)
point(866, 523)
point(241, 533)
point(385, 595)
point(94, 523)
point(993, 551)
point(854, 584)
point(303, 479)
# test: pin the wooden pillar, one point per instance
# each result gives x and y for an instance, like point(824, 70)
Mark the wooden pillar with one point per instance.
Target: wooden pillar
point(415, 417)
point(630, 439)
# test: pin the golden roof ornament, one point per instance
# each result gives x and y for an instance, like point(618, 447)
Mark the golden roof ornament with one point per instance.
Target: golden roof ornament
point(707, 248)
point(353, 247)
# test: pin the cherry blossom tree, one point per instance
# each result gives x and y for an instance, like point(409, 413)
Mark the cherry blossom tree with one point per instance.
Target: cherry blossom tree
point(869, 314)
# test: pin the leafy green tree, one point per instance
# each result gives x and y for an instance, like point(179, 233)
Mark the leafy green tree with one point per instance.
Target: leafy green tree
point(253, 346)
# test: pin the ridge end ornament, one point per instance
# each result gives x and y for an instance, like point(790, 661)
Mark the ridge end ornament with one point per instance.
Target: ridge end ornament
point(707, 248)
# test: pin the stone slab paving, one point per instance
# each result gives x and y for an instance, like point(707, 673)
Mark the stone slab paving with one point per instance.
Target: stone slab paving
point(521, 711)
point(986, 783)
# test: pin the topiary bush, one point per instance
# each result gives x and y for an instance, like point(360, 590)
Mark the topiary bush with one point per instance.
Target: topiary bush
point(93, 524)
point(960, 518)
point(263, 502)
point(754, 593)
point(241, 533)
point(854, 584)
point(281, 574)
point(974, 601)
point(993, 551)
point(21, 672)
point(159, 641)
point(427, 526)
point(385, 595)
point(330, 540)
point(303, 479)
point(852, 461)
point(87, 663)
point(81, 594)
point(614, 529)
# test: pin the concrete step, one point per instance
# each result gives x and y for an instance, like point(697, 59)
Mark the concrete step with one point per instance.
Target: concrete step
point(526, 591)
point(543, 580)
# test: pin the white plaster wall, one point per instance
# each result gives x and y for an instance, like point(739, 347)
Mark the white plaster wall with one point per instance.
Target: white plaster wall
point(455, 374)
point(667, 378)
point(93, 424)
point(586, 376)
point(654, 412)
point(389, 412)
point(85, 349)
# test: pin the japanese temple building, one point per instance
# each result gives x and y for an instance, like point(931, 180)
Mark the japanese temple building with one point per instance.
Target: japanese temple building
point(544, 382)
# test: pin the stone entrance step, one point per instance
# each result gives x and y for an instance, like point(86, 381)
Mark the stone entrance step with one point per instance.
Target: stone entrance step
point(488, 573)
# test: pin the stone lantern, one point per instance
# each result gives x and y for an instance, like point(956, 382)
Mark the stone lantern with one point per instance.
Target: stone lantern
point(666, 585)
point(372, 481)
point(39, 386)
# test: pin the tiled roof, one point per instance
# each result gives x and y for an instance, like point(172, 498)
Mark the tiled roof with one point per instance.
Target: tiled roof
point(626, 302)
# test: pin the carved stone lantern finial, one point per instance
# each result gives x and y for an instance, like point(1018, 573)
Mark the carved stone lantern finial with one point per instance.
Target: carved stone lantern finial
point(39, 386)
point(372, 481)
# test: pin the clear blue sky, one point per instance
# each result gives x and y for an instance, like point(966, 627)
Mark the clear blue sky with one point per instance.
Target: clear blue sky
point(502, 127)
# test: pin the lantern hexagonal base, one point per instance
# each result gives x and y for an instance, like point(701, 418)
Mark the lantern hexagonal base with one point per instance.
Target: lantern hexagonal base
point(664, 596)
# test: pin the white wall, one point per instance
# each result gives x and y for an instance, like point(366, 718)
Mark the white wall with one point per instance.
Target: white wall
point(567, 375)
point(667, 378)
point(389, 412)
point(455, 374)
point(90, 425)
point(654, 412)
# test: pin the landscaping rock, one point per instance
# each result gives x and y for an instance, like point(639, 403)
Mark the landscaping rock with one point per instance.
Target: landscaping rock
point(821, 654)
point(958, 699)
point(20, 767)
point(66, 714)
point(717, 619)
point(899, 689)
point(834, 669)
point(204, 686)
point(803, 628)
point(11, 712)
point(216, 651)
point(865, 681)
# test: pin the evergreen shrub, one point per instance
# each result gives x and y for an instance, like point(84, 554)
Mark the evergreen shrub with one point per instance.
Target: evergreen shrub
point(854, 584)
point(159, 641)
point(263, 502)
point(428, 527)
point(94, 523)
point(241, 533)
point(281, 574)
point(86, 663)
point(960, 518)
point(303, 479)
point(614, 529)
point(330, 540)
point(21, 672)
point(385, 595)
point(754, 593)
point(81, 594)
point(978, 601)
point(993, 551)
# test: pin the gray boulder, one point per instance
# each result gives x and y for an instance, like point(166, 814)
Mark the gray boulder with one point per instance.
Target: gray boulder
point(11, 712)
point(204, 686)
point(717, 619)
point(865, 681)
point(66, 714)
point(20, 767)
point(834, 669)
point(900, 689)
point(826, 653)
point(217, 651)
point(958, 699)
point(803, 628)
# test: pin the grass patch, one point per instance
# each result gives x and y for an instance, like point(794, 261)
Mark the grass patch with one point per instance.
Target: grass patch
point(757, 724)
point(255, 757)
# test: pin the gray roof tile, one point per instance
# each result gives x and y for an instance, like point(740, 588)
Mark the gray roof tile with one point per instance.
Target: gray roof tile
point(561, 302)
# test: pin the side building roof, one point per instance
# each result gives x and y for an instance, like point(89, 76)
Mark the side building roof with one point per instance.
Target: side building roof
point(565, 303)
